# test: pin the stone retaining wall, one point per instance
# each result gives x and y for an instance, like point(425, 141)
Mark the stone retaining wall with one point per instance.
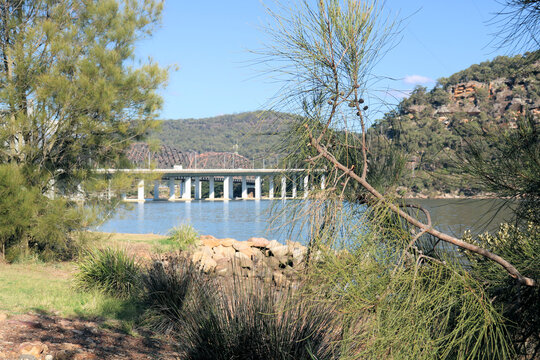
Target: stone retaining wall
point(265, 259)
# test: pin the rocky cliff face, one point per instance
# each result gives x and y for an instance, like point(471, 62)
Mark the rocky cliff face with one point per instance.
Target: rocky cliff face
point(500, 98)
point(431, 127)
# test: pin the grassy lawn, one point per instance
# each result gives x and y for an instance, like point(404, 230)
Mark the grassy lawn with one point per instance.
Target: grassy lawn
point(137, 244)
point(48, 287)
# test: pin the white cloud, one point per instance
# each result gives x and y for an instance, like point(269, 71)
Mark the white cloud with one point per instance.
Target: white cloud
point(417, 79)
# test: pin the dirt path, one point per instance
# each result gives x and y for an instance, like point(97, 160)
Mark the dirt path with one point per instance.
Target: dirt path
point(62, 338)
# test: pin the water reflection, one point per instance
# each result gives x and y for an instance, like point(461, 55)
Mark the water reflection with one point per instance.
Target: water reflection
point(244, 219)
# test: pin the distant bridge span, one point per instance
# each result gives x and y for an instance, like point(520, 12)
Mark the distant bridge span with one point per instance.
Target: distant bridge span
point(183, 181)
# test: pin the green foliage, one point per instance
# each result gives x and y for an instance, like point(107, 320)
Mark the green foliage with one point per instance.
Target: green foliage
point(521, 246)
point(256, 135)
point(508, 164)
point(430, 128)
point(32, 225)
point(400, 303)
point(237, 318)
point(181, 238)
point(110, 271)
point(500, 67)
point(70, 96)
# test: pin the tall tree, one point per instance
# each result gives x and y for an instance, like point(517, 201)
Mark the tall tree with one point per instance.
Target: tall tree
point(327, 55)
point(71, 97)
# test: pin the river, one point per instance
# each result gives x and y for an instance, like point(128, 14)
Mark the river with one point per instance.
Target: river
point(242, 219)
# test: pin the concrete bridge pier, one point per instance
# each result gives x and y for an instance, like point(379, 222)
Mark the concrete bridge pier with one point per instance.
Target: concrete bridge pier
point(283, 187)
point(271, 187)
point(212, 192)
point(172, 190)
point(227, 184)
point(257, 187)
point(109, 190)
point(244, 188)
point(187, 189)
point(140, 191)
point(323, 182)
point(294, 187)
point(198, 188)
point(306, 186)
point(156, 189)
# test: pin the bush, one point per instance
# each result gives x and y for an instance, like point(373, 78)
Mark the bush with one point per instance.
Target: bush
point(110, 271)
point(166, 288)
point(519, 304)
point(180, 238)
point(31, 225)
point(183, 236)
point(237, 319)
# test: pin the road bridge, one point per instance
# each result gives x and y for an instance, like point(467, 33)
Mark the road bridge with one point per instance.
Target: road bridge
point(186, 184)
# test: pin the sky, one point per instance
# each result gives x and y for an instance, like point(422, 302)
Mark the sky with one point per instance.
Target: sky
point(209, 41)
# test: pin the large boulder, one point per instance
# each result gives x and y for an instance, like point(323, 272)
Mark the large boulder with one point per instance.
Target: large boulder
point(241, 245)
point(36, 349)
point(243, 260)
point(210, 241)
point(281, 253)
point(259, 242)
point(224, 251)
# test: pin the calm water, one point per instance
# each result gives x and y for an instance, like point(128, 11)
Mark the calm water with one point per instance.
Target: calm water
point(244, 219)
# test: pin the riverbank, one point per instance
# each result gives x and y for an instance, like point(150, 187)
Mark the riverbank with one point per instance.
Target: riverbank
point(42, 314)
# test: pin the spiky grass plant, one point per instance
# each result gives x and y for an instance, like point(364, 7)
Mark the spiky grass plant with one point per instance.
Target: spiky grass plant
point(167, 288)
point(248, 319)
point(236, 318)
point(111, 271)
point(183, 237)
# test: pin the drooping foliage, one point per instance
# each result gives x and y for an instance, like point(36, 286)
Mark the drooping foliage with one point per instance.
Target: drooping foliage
point(32, 225)
point(70, 97)
point(402, 298)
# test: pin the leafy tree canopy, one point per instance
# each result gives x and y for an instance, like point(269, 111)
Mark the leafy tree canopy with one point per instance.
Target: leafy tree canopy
point(70, 95)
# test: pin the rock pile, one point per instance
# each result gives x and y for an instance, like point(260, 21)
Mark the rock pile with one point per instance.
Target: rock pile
point(265, 259)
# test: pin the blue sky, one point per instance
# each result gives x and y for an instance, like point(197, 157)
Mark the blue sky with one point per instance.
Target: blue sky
point(209, 41)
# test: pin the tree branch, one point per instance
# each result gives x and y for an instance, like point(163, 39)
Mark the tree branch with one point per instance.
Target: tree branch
point(424, 227)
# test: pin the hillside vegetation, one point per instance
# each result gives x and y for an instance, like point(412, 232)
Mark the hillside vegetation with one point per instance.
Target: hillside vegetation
point(255, 135)
point(432, 128)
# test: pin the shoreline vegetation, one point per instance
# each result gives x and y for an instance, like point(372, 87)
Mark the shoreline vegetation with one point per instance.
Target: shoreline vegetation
point(51, 294)
point(377, 277)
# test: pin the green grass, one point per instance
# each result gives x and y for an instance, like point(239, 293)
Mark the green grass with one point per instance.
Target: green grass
point(180, 238)
point(48, 288)
point(111, 271)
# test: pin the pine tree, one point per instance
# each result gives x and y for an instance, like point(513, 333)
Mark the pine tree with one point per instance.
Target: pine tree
point(70, 96)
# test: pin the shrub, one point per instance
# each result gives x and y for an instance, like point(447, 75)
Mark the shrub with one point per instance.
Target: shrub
point(243, 318)
point(249, 319)
point(166, 288)
point(183, 236)
point(110, 271)
point(31, 225)
point(519, 304)
point(180, 238)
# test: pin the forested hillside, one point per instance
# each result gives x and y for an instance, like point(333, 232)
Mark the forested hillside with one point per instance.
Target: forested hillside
point(256, 135)
point(433, 127)
point(430, 128)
